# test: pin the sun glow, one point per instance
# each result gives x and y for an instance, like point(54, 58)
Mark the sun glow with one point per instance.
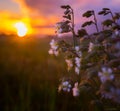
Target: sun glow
point(21, 29)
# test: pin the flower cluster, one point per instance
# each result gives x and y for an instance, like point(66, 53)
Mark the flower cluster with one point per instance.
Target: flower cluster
point(54, 48)
point(65, 86)
point(78, 59)
point(78, 51)
point(77, 65)
point(69, 63)
point(75, 90)
point(95, 58)
point(106, 74)
point(91, 46)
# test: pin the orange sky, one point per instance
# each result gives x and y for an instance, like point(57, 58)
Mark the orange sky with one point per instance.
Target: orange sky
point(40, 16)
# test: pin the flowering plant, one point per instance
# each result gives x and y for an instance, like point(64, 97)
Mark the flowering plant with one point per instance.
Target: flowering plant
point(95, 59)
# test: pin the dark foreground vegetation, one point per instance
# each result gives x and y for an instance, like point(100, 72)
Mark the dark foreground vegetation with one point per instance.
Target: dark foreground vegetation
point(29, 77)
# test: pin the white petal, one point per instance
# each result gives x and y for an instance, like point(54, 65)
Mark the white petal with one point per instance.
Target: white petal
point(68, 90)
point(100, 74)
point(109, 70)
point(77, 70)
point(76, 84)
point(51, 51)
point(111, 77)
point(104, 69)
point(77, 48)
point(75, 92)
point(103, 79)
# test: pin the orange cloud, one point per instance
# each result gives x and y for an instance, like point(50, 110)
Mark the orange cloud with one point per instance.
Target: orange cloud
point(39, 21)
point(41, 15)
point(7, 22)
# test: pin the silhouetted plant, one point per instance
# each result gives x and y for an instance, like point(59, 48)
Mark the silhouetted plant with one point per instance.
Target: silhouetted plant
point(68, 24)
point(95, 61)
point(89, 14)
point(110, 22)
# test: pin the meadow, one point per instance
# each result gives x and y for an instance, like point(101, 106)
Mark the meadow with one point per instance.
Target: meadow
point(29, 76)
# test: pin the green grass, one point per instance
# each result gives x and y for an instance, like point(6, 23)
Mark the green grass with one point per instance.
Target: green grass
point(29, 76)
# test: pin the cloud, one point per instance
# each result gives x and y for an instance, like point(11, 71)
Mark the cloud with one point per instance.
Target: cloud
point(48, 12)
point(7, 19)
point(48, 8)
point(42, 7)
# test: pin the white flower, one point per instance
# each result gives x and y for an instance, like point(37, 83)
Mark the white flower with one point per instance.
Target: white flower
point(75, 90)
point(65, 86)
point(79, 53)
point(58, 26)
point(117, 32)
point(91, 46)
point(53, 44)
point(60, 30)
point(69, 63)
point(106, 74)
point(56, 53)
point(51, 52)
point(54, 48)
point(77, 70)
point(117, 45)
point(77, 65)
point(77, 61)
point(65, 83)
point(77, 48)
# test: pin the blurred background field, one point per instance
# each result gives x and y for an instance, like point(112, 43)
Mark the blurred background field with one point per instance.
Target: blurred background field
point(29, 76)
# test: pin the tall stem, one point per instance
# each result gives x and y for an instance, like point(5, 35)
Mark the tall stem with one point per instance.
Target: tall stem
point(73, 29)
point(113, 17)
point(95, 19)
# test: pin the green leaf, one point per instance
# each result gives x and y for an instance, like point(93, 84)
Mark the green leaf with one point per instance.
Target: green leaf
point(116, 27)
point(89, 13)
point(106, 13)
point(114, 62)
point(67, 16)
point(108, 22)
point(103, 35)
point(67, 22)
point(91, 54)
point(87, 23)
point(67, 12)
point(107, 33)
point(82, 33)
point(117, 16)
point(84, 88)
point(66, 29)
point(65, 6)
point(105, 9)
point(92, 72)
point(101, 12)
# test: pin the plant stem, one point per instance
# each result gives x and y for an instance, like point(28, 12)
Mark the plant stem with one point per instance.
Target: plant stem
point(113, 17)
point(95, 19)
point(73, 30)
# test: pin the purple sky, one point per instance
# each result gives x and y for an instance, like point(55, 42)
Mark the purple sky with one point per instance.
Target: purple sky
point(49, 11)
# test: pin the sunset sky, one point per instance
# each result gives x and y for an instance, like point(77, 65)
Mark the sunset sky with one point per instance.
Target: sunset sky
point(40, 16)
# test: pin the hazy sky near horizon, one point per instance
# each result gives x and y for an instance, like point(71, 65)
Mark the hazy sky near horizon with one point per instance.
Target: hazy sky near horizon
point(43, 14)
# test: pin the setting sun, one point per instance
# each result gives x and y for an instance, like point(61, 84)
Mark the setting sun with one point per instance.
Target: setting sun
point(21, 29)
